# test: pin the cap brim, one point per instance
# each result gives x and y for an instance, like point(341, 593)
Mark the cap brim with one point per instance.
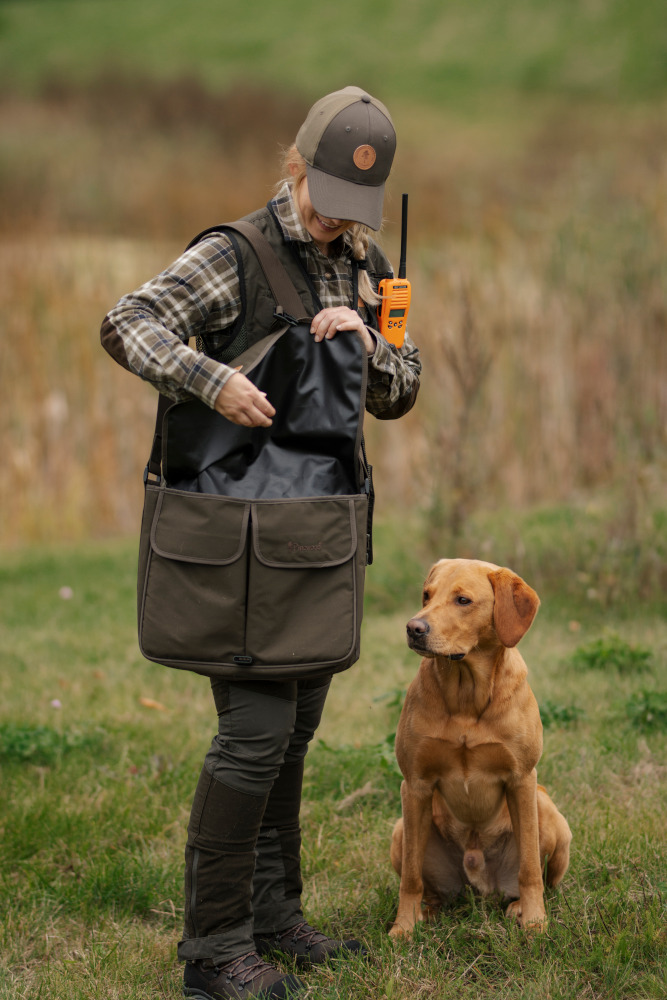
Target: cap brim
point(340, 199)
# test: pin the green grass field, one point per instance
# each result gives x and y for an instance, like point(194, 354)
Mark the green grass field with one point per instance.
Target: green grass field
point(424, 50)
point(100, 752)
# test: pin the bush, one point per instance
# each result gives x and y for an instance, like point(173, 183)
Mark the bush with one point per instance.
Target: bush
point(43, 745)
point(612, 652)
point(554, 715)
point(647, 710)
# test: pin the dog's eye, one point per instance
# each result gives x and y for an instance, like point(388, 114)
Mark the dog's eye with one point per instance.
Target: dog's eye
point(463, 600)
point(426, 597)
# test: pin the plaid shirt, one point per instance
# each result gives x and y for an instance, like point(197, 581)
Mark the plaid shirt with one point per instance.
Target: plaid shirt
point(199, 294)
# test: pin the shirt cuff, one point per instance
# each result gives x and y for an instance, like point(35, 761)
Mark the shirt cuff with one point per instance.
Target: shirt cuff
point(382, 359)
point(207, 378)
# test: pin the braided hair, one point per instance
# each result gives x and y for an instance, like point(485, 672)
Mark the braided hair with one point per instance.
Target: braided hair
point(356, 237)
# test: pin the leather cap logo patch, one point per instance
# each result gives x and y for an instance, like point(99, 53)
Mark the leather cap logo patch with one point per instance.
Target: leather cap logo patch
point(364, 157)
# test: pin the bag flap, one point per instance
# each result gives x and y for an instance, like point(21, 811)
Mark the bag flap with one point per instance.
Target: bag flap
point(192, 527)
point(312, 533)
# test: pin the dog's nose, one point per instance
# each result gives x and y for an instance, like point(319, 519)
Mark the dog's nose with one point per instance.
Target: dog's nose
point(417, 627)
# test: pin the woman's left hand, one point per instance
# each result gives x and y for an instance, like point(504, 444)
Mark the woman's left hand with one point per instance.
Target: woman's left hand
point(336, 319)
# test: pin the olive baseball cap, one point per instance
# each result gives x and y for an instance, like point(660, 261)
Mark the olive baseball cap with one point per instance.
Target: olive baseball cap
point(348, 142)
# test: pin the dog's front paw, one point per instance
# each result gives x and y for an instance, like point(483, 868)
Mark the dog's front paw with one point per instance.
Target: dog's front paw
point(401, 930)
point(397, 931)
point(532, 920)
point(405, 922)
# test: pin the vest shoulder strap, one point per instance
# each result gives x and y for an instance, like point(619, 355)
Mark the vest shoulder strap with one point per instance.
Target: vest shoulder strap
point(288, 300)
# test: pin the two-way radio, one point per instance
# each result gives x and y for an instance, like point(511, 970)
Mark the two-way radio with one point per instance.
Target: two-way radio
point(393, 309)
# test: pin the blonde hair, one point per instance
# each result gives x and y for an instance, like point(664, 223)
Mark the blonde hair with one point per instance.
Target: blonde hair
point(357, 236)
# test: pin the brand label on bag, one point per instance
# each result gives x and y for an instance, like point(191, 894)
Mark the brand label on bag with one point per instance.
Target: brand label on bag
point(298, 547)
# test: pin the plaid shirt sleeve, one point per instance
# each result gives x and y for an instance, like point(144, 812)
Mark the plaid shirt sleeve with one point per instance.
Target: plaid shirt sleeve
point(393, 377)
point(149, 329)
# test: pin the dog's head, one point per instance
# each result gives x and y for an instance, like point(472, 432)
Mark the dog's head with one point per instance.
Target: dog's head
point(468, 604)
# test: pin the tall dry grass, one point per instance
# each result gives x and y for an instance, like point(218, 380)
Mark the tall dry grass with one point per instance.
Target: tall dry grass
point(537, 256)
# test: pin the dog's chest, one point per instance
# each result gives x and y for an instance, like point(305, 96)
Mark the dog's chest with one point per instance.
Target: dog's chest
point(471, 767)
point(466, 755)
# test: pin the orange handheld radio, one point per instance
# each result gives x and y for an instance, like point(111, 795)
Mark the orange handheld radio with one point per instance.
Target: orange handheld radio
point(395, 292)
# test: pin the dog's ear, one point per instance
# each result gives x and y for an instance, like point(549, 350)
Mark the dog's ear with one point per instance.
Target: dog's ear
point(515, 606)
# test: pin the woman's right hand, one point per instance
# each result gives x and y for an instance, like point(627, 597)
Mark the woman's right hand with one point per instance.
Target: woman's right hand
point(243, 403)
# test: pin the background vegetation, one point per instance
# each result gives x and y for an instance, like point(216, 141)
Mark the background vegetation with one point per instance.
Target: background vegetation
point(532, 141)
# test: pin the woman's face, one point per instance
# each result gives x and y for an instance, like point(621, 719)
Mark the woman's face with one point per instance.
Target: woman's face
point(323, 230)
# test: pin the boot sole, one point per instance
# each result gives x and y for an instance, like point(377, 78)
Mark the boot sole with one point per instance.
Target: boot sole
point(196, 994)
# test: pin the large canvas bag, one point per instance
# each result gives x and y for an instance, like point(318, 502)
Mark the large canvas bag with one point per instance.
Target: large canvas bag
point(254, 541)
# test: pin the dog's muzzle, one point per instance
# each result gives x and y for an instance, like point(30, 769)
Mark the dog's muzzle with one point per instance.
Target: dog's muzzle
point(417, 630)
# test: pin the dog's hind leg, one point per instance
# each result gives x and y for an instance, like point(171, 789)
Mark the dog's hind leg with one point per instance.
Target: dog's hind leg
point(555, 838)
point(556, 863)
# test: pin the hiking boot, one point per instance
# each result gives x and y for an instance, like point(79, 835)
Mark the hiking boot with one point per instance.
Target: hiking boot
point(244, 978)
point(307, 945)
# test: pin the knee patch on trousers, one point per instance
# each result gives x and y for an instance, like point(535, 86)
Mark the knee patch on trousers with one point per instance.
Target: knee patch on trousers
point(224, 816)
point(220, 857)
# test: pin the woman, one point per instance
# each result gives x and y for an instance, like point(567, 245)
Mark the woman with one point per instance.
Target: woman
point(242, 879)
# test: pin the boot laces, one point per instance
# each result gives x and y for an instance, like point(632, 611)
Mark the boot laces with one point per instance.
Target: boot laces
point(238, 969)
point(304, 932)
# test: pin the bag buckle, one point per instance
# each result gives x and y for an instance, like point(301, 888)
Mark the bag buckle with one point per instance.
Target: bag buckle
point(279, 313)
point(153, 482)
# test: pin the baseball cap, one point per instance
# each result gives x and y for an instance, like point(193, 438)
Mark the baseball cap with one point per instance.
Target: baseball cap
point(348, 142)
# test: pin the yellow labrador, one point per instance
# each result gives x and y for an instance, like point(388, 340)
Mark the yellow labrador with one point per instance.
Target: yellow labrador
point(468, 741)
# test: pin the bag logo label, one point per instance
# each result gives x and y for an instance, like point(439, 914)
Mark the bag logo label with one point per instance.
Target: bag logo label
point(298, 547)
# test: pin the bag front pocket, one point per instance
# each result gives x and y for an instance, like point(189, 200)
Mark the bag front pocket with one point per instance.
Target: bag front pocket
point(243, 589)
point(192, 610)
point(303, 581)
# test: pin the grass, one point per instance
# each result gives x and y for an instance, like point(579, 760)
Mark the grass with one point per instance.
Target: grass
point(443, 54)
point(100, 752)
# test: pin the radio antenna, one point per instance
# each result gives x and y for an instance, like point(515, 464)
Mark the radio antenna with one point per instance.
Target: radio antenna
point(404, 237)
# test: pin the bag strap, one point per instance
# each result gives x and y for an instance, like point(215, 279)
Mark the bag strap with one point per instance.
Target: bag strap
point(288, 307)
point(154, 464)
point(288, 300)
